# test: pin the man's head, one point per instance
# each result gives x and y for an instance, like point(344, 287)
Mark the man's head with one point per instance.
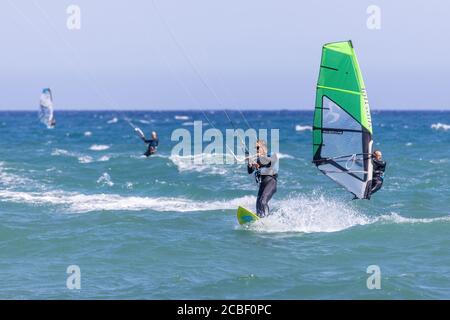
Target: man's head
point(261, 148)
point(154, 135)
point(377, 155)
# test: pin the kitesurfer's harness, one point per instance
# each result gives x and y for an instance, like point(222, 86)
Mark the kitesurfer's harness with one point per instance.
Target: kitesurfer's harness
point(257, 172)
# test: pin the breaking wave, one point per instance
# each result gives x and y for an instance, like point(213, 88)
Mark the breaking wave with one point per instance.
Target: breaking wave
point(105, 180)
point(99, 147)
point(319, 214)
point(81, 203)
point(113, 120)
point(301, 128)
point(180, 117)
point(440, 126)
point(80, 157)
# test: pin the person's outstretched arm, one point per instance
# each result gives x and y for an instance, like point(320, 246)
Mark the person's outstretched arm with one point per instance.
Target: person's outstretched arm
point(250, 166)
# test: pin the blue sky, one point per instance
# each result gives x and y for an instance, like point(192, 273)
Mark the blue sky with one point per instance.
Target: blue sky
point(253, 54)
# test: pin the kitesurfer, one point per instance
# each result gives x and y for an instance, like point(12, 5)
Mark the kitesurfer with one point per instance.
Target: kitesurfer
point(152, 144)
point(265, 168)
point(379, 166)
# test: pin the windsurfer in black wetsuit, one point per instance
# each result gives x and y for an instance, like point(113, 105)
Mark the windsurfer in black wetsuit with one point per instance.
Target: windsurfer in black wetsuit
point(52, 122)
point(152, 144)
point(266, 173)
point(379, 166)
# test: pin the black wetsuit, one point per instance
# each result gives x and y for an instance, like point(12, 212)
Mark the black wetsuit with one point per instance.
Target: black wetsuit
point(152, 146)
point(379, 166)
point(267, 188)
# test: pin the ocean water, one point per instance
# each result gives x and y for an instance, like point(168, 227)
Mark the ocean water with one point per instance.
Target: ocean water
point(165, 227)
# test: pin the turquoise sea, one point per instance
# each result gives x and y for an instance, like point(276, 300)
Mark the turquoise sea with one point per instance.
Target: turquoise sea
point(165, 227)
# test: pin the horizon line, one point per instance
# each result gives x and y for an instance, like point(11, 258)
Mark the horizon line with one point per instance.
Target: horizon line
point(200, 110)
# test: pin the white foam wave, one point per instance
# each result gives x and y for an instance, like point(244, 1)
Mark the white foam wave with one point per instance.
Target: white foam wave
point(80, 157)
point(319, 214)
point(181, 117)
point(141, 156)
point(99, 147)
point(8, 179)
point(104, 158)
point(85, 159)
point(88, 134)
point(191, 123)
point(113, 120)
point(396, 218)
point(440, 126)
point(294, 215)
point(62, 152)
point(285, 156)
point(129, 185)
point(105, 180)
point(310, 214)
point(82, 203)
point(156, 155)
point(144, 121)
point(301, 128)
point(440, 161)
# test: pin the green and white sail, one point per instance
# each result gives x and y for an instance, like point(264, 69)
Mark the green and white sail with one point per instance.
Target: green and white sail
point(342, 131)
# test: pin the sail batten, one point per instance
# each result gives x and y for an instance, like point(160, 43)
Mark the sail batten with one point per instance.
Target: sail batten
point(342, 90)
point(342, 129)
